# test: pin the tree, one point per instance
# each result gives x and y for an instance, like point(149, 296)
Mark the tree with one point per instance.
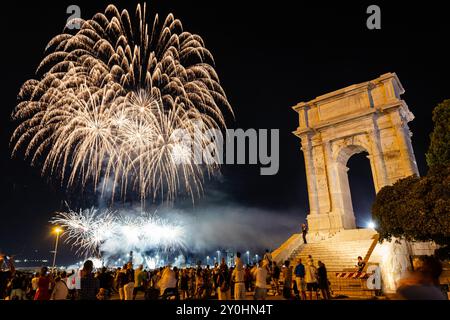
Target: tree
point(416, 208)
point(392, 207)
point(439, 151)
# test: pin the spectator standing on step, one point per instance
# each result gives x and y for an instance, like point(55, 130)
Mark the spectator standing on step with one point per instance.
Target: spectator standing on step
point(299, 272)
point(322, 279)
point(287, 275)
point(276, 277)
point(311, 278)
point(304, 232)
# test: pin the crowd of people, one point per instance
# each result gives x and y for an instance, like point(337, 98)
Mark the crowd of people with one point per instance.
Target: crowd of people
point(239, 282)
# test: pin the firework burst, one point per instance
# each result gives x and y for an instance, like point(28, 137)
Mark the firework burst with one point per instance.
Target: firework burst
point(92, 232)
point(87, 229)
point(111, 100)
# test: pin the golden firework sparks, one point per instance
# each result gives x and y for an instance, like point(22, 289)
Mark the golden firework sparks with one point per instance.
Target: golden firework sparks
point(111, 101)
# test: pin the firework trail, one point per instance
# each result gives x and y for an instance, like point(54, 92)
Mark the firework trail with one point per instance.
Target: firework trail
point(92, 232)
point(110, 101)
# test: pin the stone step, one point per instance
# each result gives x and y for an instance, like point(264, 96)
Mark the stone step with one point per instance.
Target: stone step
point(362, 294)
point(339, 253)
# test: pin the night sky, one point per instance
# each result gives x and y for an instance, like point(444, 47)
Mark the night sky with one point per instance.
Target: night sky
point(269, 57)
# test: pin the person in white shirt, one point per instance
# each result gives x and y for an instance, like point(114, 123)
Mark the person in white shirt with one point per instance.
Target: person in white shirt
point(260, 275)
point(238, 278)
point(168, 280)
point(60, 290)
point(311, 278)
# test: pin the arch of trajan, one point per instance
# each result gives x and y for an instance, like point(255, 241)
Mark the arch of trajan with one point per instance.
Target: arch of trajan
point(370, 117)
point(366, 117)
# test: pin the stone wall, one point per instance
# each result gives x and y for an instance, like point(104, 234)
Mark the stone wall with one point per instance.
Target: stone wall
point(394, 260)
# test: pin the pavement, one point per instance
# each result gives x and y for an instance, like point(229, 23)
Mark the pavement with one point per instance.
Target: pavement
point(249, 296)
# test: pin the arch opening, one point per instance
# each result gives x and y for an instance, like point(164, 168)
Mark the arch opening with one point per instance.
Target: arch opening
point(362, 188)
point(347, 199)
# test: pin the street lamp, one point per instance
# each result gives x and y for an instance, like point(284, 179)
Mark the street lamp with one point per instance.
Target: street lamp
point(58, 231)
point(256, 258)
point(248, 257)
point(207, 259)
point(218, 256)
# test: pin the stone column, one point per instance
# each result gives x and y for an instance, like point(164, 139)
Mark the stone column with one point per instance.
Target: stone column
point(310, 175)
point(404, 142)
point(377, 164)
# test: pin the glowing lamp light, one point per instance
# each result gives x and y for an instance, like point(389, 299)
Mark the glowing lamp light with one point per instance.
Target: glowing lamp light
point(371, 225)
point(57, 230)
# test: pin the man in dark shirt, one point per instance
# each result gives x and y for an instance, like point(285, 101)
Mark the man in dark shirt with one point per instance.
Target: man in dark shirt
point(104, 279)
point(300, 278)
point(304, 232)
point(89, 285)
point(276, 277)
point(323, 281)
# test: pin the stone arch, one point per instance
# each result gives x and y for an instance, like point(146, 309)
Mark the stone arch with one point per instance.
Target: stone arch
point(343, 196)
point(367, 117)
point(345, 152)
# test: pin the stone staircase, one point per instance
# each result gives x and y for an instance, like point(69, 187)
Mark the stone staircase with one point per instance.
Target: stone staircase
point(339, 254)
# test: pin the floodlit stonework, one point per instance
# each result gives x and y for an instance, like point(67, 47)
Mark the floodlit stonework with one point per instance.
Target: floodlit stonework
point(369, 116)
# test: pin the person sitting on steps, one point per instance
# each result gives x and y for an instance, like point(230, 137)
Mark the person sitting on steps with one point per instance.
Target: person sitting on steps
point(360, 265)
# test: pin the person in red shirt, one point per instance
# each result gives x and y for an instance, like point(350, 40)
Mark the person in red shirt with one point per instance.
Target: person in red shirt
point(43, 290)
